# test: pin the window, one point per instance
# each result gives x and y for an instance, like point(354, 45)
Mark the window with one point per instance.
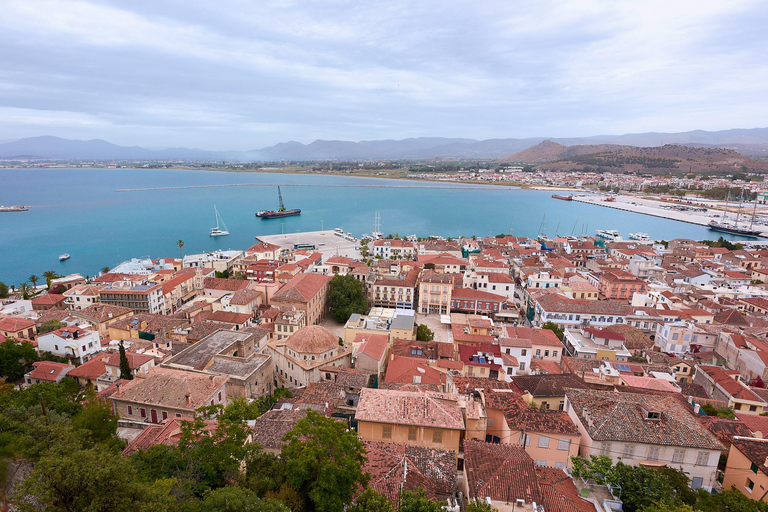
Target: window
point(523, 352)
point(130, 413)
point(629, 451)
point(561, 405)
point(653, 453)
point(538, 352)
point(541, 462)
point(525, 440)
point(412, 431)
point(563, 444)
point(219, 396)
point(605, 449)
point(560, 465)
point(178, 415)
point(543, 442)
point(165, 415)
point(554, 353)
point(143, 412)
point(386, 431)
point(546, 353)
point(678, 456)
point(490, 422)
point(750, 485)
point(702, 459)
point(437, 436)
point(753, 467)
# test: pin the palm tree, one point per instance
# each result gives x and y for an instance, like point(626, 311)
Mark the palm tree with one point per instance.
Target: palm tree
point(180, 243)
point(33, 279)
point(104, 270)
point(23, 289)
point(50, 275)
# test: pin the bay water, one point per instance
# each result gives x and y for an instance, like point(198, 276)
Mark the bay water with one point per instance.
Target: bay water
point(80, 212)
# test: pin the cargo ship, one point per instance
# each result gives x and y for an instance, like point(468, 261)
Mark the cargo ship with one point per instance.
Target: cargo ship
point(280, 212)
point(563, 198)
point(14, 208)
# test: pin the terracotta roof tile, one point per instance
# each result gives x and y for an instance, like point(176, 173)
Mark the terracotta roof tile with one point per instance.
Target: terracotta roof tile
point(500, 471)
point(409, 408)
point(394, 467)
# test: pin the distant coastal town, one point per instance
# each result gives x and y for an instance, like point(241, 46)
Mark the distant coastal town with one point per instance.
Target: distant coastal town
point(557, 354)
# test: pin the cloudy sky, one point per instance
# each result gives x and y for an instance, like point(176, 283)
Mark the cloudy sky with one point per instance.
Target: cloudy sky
point(243, 74)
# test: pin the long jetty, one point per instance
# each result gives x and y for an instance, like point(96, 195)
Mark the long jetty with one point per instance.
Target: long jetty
point(449, 187)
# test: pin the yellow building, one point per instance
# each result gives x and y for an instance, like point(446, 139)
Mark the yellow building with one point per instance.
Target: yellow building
point(432, 420)
point(747, 471)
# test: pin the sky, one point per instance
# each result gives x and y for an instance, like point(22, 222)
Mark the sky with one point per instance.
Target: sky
point(242, 75)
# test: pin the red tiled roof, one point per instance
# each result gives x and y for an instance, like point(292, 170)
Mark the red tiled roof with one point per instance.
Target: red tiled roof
point(313, 339)
point(49, 299)
point(729, 384)
point(500, 471)
point(227, 285)
point(395, 467)
point(301, 288)
point(167, 433)
point(409, 408)
point(605, 333)
point(404, 369)
point(14, 324)
point(134, 360)
point(92, 369)
point(536, 336)
point(372, 345)
point(48, 370)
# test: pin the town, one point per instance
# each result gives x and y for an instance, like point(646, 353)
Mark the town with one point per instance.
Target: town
point(504, 372)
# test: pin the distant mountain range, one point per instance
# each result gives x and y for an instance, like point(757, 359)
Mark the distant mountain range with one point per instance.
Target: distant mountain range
point(750, 142)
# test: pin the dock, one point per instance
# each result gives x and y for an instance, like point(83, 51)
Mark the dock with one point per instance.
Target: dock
point(653, 208)
point(325, 242)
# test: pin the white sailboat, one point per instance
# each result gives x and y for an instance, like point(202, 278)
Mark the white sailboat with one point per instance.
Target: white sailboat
point(217, 231)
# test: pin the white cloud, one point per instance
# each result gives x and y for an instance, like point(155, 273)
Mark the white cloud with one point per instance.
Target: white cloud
point(360, 70)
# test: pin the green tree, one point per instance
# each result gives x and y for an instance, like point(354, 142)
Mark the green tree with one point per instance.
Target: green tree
point(105, 270)
point(727, 501)
point(424, 333)
point(50, 275)
point(180, 243)
point(371, 500)
point(24, 290)
point(3, 290)
point(237, 499)
point(324, 462)
point(418, 502)
point(16, 358)
point(554, 328)
point(50, 325)
point(33, 279)
point(97, 422)
point(711, 410)
point(125, 367)
point(346, 296)
point(668, 507)
point(71, 478)
point(479, 506)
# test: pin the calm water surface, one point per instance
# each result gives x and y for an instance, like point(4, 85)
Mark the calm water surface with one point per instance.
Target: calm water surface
point(78, 211)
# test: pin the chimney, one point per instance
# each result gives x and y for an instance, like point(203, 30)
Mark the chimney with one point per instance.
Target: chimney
point(696, 408)
point(118, 385)
point(188, 399)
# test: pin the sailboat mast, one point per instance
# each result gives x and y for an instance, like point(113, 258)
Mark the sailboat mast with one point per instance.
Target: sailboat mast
point(754, 211)
point(216, 213)
point(741, 201)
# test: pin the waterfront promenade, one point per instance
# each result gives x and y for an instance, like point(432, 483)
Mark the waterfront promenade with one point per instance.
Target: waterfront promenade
point(654, 208)
point(325, 242)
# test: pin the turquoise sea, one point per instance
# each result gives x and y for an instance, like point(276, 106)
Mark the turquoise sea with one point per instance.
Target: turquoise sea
point(78, 211)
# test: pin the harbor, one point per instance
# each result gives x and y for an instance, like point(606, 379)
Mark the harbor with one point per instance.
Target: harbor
point(695, 214)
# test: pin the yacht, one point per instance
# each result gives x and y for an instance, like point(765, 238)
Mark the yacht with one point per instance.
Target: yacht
point(641, 237)
point(217, 231)
point(609, 234)
point(64, 256)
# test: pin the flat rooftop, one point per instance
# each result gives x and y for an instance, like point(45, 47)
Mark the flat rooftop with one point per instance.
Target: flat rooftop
point(325, 242)
point(208, 347)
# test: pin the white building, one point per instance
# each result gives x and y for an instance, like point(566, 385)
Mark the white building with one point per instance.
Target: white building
point(71, 342)
point(398, 249)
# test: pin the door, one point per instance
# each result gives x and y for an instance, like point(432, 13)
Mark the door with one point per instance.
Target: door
point(153, 413)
